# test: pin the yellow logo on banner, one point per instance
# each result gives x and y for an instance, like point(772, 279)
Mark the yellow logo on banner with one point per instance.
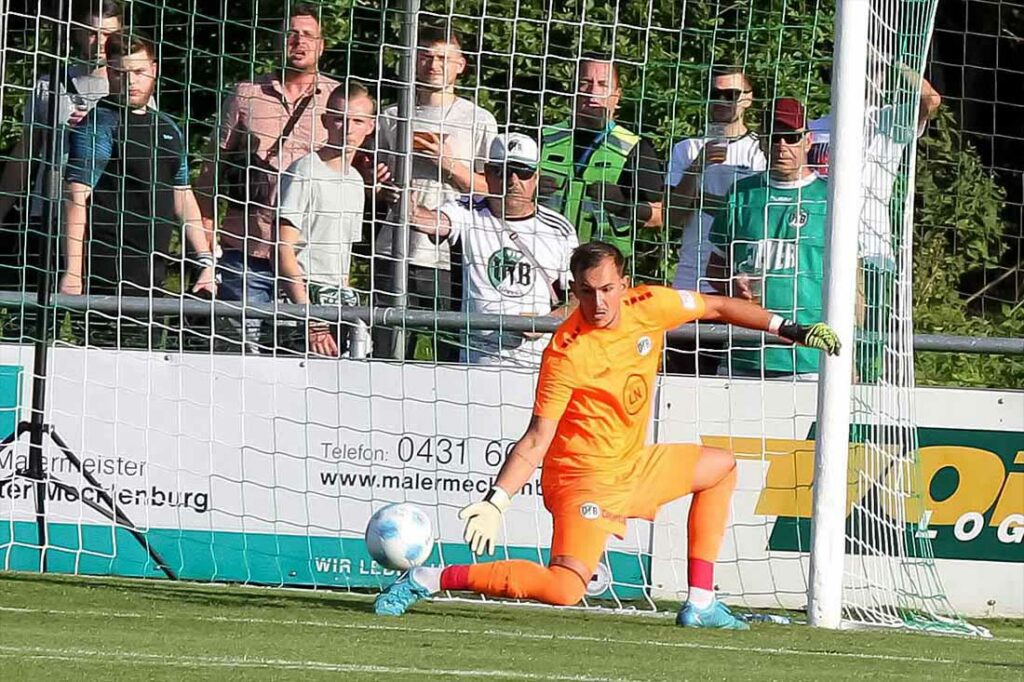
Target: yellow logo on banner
point(983, 482)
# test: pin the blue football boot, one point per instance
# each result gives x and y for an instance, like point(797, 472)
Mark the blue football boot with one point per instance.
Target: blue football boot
point(399, 596)
point(716, 617)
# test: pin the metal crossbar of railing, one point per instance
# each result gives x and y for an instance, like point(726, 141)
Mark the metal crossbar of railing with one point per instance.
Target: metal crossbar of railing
point(451, 321)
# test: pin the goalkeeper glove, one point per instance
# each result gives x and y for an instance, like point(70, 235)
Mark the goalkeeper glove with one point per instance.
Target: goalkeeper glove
point(483, 519)
point(818, 335)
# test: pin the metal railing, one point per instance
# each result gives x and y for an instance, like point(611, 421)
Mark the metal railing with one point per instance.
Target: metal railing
point(449, 321)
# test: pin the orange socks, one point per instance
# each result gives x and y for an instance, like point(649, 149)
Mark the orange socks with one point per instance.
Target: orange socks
point(709, 514)
point(517, 579)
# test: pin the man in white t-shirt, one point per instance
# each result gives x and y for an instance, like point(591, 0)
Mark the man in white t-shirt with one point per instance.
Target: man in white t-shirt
point(516, 253)
point(701, 172)
point(888, 130)
point(321, 212)
point(451, 137)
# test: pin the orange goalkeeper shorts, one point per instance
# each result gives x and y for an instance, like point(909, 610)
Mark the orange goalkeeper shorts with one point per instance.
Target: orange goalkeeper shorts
point(584, 499)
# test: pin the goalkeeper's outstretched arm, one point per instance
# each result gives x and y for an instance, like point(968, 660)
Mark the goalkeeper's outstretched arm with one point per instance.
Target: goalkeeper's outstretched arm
point(752, 316)
point(483, 519)
point(526, 455)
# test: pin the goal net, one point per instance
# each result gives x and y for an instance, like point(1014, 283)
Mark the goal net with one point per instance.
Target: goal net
point(242, 456)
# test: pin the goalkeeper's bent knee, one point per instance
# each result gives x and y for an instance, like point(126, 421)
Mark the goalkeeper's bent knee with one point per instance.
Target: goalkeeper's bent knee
point(565, 587)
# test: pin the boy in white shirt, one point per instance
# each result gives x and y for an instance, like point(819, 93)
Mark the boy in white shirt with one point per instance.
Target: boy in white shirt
point(321, 213)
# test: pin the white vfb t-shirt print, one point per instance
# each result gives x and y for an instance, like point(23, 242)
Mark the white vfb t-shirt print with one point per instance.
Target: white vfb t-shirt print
point(743, 157)
point(499, 279)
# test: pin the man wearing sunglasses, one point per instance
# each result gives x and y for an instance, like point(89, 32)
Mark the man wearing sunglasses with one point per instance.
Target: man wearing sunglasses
point(701, 172)
point(515, 253)
point(768, 243)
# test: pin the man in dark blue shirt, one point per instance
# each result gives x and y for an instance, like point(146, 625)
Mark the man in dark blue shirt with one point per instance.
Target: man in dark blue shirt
point(128, 188)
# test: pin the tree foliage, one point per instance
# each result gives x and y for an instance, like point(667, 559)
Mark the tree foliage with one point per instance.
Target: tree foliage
point(958, 230)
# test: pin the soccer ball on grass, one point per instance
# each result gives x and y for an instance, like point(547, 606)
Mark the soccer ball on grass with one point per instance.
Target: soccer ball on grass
point(399, 536)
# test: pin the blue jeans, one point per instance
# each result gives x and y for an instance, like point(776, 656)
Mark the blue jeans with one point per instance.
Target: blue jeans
point(246, 279)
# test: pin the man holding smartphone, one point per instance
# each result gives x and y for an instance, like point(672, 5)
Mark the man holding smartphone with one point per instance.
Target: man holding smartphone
point(451, 139)
point(701, 172)
point(704, 169)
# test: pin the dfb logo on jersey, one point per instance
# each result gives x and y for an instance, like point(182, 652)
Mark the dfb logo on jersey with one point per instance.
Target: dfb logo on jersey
point(510, 273)
point(590, 511)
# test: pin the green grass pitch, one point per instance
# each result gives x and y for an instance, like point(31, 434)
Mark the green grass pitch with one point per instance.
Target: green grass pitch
point(56, 628)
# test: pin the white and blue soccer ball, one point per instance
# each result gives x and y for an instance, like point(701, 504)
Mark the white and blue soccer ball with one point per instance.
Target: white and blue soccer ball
point(399, 536)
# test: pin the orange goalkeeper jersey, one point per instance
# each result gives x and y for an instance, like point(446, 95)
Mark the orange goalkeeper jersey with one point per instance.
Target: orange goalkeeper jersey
point(599, 382)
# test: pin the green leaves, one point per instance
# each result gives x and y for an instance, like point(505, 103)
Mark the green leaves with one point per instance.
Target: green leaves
point(958, 234)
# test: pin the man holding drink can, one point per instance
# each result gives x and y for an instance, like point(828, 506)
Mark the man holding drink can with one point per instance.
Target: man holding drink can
point(701, 172)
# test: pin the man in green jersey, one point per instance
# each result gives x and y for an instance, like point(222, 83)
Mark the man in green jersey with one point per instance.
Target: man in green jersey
point(606, 180)
point(768, 243)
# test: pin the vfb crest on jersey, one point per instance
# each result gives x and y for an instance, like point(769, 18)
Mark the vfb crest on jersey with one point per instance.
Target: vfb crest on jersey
point(510, 273)
point(797, 217)
point(644, 345)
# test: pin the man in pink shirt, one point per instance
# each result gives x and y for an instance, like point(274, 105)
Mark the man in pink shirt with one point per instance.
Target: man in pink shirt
point(266, 124)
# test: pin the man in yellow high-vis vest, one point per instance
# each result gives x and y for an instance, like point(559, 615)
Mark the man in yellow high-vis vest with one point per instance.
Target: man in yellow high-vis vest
point(606, 180)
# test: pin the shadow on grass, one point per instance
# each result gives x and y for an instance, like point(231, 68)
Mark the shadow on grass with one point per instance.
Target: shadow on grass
point(201, 594)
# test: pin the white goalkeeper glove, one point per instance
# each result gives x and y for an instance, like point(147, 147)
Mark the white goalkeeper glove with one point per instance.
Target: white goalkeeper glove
point(483, 521)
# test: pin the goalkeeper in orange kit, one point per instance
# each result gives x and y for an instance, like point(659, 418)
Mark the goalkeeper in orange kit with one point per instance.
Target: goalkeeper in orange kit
point(589, 424)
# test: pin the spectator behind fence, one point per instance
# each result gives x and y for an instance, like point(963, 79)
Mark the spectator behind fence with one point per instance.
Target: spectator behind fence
point(606, 180)
point(888, 130)
point(128, 187)
point(451, 138)
point(266, 124)
point(769, 243)
point(701, 172)
point(84, 84)
point(321, 214)
point(516, 253)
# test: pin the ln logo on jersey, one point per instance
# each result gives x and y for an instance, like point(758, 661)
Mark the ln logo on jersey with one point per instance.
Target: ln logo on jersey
point(590, 511)
point(510, 273)
point(634, 394)
point(644, 345)
point(798, 218)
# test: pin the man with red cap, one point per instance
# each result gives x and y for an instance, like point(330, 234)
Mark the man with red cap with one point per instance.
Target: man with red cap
point(768, 242)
